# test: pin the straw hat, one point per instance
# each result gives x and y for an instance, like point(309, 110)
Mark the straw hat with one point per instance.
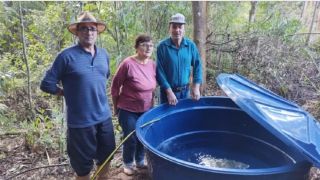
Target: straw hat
point(86, 17)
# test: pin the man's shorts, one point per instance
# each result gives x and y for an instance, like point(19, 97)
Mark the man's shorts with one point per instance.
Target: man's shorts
point(89, 143)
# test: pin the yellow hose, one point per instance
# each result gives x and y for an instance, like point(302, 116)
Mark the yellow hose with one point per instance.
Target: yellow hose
point(116, 149)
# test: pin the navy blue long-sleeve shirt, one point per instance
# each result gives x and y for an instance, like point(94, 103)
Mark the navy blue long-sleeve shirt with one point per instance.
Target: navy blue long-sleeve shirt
point(84, 81)
point(174, 64)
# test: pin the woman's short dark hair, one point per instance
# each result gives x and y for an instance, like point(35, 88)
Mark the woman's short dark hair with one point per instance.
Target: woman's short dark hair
point(141, 39)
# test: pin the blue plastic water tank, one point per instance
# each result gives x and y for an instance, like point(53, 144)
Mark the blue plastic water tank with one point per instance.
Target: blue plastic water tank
point(226, 138)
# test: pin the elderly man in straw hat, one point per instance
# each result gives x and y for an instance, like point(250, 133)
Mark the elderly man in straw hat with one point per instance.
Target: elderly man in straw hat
point(176, 57)
point(83, 70)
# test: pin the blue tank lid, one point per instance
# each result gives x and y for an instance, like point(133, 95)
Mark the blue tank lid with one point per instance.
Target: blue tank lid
point(284, 119)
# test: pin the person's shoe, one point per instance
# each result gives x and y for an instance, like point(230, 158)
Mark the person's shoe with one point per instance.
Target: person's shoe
point(128, 170)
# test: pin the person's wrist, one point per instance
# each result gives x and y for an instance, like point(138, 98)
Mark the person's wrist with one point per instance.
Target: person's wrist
point(196, 86)
point(168, 90)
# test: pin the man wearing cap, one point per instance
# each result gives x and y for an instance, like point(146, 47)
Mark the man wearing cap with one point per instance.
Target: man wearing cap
point(83, 70)
point(177, 56)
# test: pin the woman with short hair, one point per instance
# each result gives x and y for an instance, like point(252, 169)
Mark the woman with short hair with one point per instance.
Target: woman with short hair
point(132, 92)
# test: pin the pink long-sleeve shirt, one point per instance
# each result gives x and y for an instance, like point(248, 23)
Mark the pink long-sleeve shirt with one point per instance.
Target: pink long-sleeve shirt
point(134, 84)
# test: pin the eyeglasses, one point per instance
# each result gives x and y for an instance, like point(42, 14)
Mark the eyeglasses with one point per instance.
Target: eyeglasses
point(86, 29)
point(145, 45)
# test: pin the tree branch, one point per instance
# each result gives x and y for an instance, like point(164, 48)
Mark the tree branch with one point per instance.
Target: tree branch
point(303, 34)
point(40, 167)
point(13, 133)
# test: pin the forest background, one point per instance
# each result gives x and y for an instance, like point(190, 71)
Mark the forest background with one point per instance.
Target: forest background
point(275, 44)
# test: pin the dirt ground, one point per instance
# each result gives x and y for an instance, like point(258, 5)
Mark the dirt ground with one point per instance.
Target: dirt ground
point(17, 162)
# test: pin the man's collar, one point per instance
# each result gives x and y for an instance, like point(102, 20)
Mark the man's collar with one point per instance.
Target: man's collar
point(169, 42)
point(80, 47)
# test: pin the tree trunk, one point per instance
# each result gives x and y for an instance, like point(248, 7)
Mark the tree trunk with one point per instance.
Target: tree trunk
point(117, 36)
point(311, 23)
point(252, 12)
point(199, 9)
point(25, 58)
point(99, 4)
point(305, 14)
point(147, 16)
point(219, 63)
point(317, 29)
point(305, 4)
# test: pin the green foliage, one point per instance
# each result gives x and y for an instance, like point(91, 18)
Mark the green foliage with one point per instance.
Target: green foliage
point(271, 50)
point(44, 132)
point(7, 120)
point(228, 16)
point(9, 73)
